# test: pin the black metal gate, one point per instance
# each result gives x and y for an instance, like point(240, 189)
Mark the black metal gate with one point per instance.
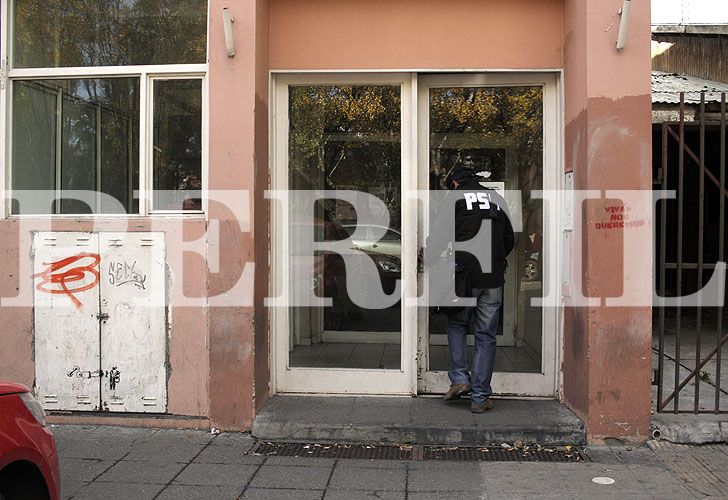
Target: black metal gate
point(688, 341)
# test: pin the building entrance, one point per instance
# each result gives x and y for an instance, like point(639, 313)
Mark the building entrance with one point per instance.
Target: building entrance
point(371, 142)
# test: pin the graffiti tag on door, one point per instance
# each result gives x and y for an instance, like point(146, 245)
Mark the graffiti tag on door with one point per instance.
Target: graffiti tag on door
point(123, 272)
point(70, 276)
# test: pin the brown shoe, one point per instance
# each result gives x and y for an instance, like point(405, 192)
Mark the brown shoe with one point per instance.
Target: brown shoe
point(455, 391)
point(483, 407)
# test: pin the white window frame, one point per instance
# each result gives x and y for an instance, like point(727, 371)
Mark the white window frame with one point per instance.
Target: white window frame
point(146, 74)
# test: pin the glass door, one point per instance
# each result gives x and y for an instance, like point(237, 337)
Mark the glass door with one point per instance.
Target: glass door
point(342, 156)
point(504, 127)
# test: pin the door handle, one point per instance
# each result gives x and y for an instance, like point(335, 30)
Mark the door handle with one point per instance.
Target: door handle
point(76, 371)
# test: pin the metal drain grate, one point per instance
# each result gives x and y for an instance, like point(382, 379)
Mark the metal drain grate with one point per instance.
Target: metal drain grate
point(528, 453)
point(319, 450)
point(505, 454)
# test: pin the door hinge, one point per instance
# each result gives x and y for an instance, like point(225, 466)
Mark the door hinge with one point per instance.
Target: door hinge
point(102, 316)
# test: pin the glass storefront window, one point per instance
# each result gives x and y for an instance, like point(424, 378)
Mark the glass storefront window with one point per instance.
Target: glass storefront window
point(498, 132)
point(75, 124)
point(345, 138)
point(58, 33)
point(76, 134)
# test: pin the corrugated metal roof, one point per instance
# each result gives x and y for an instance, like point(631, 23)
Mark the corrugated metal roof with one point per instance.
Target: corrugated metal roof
point(666, 88)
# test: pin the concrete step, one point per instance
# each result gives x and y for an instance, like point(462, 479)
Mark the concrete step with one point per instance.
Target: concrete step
point(420, 420)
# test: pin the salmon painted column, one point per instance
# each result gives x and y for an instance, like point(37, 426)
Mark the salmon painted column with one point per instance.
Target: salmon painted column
point(238, 161)
point(607, 362)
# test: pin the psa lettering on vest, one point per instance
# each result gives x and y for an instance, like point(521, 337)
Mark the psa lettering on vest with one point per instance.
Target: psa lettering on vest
point(482, 199)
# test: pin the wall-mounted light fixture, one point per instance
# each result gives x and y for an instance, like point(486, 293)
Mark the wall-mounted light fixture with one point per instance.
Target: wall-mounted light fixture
point(624, 12)
point(228, 21)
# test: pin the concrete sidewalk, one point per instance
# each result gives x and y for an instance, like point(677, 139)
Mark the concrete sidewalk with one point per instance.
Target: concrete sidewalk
point(133, 463)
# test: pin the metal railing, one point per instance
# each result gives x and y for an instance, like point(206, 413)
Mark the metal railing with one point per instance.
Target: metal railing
point(689, 354)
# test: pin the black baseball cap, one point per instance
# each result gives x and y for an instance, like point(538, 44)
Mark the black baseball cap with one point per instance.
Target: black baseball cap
point(460, 174)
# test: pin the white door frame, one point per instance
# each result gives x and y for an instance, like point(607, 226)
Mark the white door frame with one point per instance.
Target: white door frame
point(286, 379)
point(543, 384)
point(411, 378)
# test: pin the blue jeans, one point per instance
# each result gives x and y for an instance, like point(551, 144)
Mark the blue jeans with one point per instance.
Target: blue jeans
point(485, 313)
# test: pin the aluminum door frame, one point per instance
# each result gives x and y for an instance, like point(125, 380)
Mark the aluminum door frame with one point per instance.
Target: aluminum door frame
point(547, 382)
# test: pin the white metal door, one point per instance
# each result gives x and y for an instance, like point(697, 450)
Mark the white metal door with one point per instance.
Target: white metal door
point(66, 328)
point(541, 381)
point(133, 332)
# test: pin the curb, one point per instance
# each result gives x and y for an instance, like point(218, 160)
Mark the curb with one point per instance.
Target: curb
point(689, 428)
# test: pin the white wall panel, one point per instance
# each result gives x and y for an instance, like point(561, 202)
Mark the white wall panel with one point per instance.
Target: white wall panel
point(66, 327)
point(133, 337)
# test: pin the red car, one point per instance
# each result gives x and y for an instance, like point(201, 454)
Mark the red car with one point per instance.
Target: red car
point(29, 466)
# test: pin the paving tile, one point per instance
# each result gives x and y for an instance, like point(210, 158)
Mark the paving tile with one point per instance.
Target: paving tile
point(162, 450)
point(538, 478)
point(580, 496)
point(132, 471)
point(78, 469)
point(453, 495)
point(120, 491)
point(189, 492)
point(70, 487)
point(445, 480)
point(118, 433)
point(183, 435)
point(65, 434)
point(92, 449)
point(244, 441)
point(282, 494)
point(368, 479)
point(216, 475)
point(364, 495)
point(306, 478)
point(227, 455)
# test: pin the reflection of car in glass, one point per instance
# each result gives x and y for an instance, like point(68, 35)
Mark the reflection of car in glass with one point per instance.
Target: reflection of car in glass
point(385, 251)
point(389, 244)
point(329, 275)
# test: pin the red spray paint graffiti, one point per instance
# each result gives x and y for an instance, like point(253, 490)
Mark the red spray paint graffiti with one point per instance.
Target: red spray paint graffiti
point(56, 275)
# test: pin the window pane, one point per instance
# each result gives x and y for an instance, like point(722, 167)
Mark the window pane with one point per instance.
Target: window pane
point(76, 134)
point(34, 142)
point(345, 138)
point(56, 33)
point(497, 132)
point(178, 144)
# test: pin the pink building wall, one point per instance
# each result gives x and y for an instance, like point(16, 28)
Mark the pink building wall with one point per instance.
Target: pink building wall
point(188, 355)
point(220, 356)
point(415, 34)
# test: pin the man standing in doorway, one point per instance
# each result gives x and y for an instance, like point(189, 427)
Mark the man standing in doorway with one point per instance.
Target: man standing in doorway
point(475, 206)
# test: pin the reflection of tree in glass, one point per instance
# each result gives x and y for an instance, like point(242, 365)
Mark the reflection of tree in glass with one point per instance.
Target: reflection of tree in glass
point(53, 33)
point(177, 137)
point(90, 108)
point(464, 120)
point(346, 137)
